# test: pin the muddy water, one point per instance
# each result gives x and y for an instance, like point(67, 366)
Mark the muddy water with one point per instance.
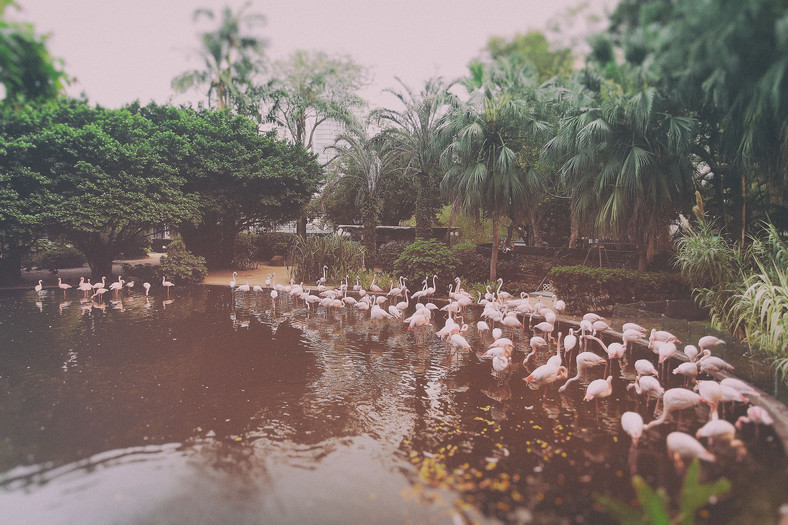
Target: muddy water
point(211, 408)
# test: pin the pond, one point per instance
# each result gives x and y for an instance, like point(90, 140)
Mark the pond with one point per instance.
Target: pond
point(218, 408)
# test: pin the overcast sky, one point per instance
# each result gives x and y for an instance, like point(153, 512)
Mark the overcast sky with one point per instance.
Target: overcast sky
point(122, 50)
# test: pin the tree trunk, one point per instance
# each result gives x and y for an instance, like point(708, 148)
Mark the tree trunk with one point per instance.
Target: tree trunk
point(99, 257)
point(574, 230)
point(494, 248)
point(455, 209)
point(423, 220)
point(536, 221)
point(301, 225)
point(643, 259)
point(370, 239)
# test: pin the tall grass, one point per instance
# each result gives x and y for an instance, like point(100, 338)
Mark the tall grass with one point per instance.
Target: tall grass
point(746, 291)
point(341, 255)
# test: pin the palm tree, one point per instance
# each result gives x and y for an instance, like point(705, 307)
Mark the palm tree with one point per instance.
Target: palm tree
point(484, 170)
point(415, 134)
point(360, 159)
point(231, 58)
point(631, 159)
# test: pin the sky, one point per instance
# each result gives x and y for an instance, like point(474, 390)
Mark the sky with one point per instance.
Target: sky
point(117, 51)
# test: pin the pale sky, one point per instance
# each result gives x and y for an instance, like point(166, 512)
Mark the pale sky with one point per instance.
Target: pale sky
point(122, 50)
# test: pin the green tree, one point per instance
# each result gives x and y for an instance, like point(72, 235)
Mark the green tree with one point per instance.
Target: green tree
point(232, 56)
point(416, 135)
point(27, 70)
point(533, 49)
point(484, 171)
point(239, 177)
point(100, 176)
point(360, 161)
point(309, 90)
point(726, 63)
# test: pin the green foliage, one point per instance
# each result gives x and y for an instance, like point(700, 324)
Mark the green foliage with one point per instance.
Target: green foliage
point(27, 71)
point(54, 255)
point(427, 257)
point(269, 244)
point(245, 252)
point(599, 289)
point(654, 506)
point(182, 266)
point(141, 272)
point(310, 254)
point(705, 258)
point(388, 254)
point(472, 266)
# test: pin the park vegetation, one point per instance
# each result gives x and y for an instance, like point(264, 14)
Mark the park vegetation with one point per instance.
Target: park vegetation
point(672, 99)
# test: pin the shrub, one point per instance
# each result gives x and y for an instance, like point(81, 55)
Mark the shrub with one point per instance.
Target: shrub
point(388, 254)
point(245, 253)
point(471, 267)
point(340, 254)
point(427, 257)
point(141, 272)
point(599, 289)
point(272, 243)
point(182, 266)
point(51, 255)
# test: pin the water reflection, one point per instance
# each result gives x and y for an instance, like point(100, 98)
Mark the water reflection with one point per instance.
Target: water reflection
point(213, 407)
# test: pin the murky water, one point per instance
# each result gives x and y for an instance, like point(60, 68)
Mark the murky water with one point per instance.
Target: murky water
point(215, 409)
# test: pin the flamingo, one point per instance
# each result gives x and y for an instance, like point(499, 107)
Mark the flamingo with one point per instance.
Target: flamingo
point(456, 340)
point(585, 360)
point(717, 429)
point(613, 350)
point(101, 284)
point(232, 283)
point(648, 385)
point(634, 326)
point(559, 306)
point(536, 343)
point(403, 305)
point(117, 285)
point(630, 336)
point(711, 394)
point(483, 328)
point(757, 416)
point(691, 351)
point(374, 287)
point(39, 287)
point(167, 284)
point(545, 375)
point(644, 367)
point(689, 370)
point(570, 342)
point(63, 286)
point(740, 386)
point(100, 292)
point(682, 446)
point(661, 336)
point(632, 424)
point(709, 342)
point(599, 389)
point(130, 285)
point(710, 364)
point(84, 286)
point(242, 288)
point(512, 322)
point(666, 351)
point(146, 285)
point(673, 400)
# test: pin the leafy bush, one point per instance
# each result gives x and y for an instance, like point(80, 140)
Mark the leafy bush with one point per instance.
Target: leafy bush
point(388, 253)
point(245, 253)
point(427, 257)
point(136, 248)
point(340, 254)
point(272, 243)
point(472, 267)
point(141, 272)
point(51, 255)
point(655, 506)
point(182, 266)
point(599, 289)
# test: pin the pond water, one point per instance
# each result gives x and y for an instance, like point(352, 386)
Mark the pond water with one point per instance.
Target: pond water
point(215, 408)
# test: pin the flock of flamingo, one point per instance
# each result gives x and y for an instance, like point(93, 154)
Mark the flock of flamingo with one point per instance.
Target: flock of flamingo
point(98, 289)
point(501, 312)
